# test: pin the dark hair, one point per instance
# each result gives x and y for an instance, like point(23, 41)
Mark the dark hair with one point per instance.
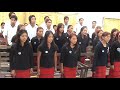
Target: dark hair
point(98, 27)
point(105, 34)
point(46, 17)
point(25, 23)
point(58, 27)
point(116, 38)
point(14, 16)
point(31, 17)
point(39, 28)
point(99, 31)
point(19, 26)
point(82, 29)
point(113, 30)
point(11, 14)
point(48, 20)
point(69, 26)
point(54, 26)
point(66, 17)
point(44, 43)
point(2, 23)
point(19, 34)
point(71, 35)
point(94, 21)
point(80, 19)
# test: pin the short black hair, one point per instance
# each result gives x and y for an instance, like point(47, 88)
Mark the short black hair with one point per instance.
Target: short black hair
point(11, 14)
point(46, 17)
point(31, 17)
point(54, 26)
point(2, 23)
point(94, 21)
point(80, 19)
point(69, 26)
point(66, 17)
point(39, 28)
point(14, 16)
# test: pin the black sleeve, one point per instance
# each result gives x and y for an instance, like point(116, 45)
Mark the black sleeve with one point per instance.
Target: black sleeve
point(32, 42)
point(31, 58)
point(79, 58)
point(93, 36)
point(13, 39)
point(62, 54)
point(95, 57)
point(112, 53)
point(40, 48)
point(12, 59)
point(94, 42)
point(88, 39)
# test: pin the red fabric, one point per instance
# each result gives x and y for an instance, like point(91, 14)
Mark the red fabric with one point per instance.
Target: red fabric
point(82, 59)
point(100, 72)
point(70, 72)
point(23, 73)
point(115, 73)
point(46, 72)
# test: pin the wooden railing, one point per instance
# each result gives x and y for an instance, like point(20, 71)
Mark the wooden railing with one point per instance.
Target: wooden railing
point(5, 63)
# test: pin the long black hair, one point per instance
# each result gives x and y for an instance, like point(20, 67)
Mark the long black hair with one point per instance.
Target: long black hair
point(44, 43)
point(68, 44)
point(58, 28)
point(18, 37)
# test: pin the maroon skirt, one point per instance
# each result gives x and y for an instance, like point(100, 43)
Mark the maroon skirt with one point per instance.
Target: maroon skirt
point(115, 73)
point(46, 72)
point(70, 72)
point(23, 73)
point(100, 72)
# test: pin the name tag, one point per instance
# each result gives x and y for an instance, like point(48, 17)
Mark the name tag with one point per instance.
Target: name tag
point(57, 38)
point(46, 51)
point(118, 49)
point(67, 37)
point(34, 42)
point(19, 53)
point(70, 51)
point(103, 51)
point(79, 42)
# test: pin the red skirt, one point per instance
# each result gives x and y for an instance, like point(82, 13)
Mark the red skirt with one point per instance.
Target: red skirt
point(46, 72)
point(23, 73)
point(70, 72)
point(115, 73)
point(100, 72)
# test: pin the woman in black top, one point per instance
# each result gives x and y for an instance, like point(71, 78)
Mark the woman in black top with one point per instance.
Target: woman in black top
point(70, 55)
point(94, 35)
point(21, 56)
point(83, 41)
point(115, 58)
point(98, 38)
point(37, 40)
point(69, 31)
point(113, 35)
point(59, 36)
point(101, 56)
point(47, 56)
